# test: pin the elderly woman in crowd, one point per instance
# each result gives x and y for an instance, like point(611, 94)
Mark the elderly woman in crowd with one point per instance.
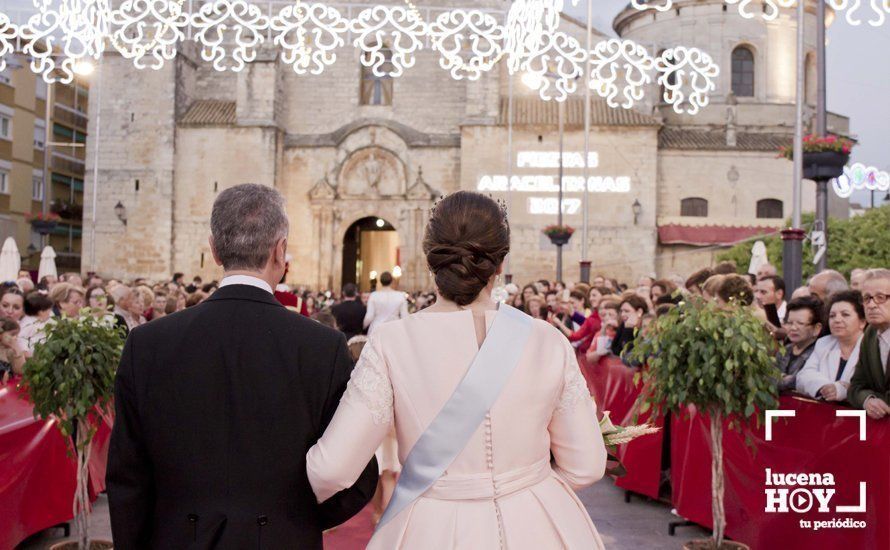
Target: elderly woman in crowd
point(12, 304)
point(803, 323)
point(67, 299)
point(827, 373)
point(128, 307)
point(534, 306)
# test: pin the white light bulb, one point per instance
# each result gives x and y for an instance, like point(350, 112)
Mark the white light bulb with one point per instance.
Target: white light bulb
point(380, 223)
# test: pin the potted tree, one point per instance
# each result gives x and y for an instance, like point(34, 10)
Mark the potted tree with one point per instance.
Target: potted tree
point(559, 234)
point(70, 378)
point(719, 359)
point(824, 157)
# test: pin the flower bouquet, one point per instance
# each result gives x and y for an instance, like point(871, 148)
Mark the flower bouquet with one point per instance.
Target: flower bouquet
point(617, 435)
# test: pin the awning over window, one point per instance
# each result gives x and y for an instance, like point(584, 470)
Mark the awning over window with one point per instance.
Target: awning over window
point(705, 235)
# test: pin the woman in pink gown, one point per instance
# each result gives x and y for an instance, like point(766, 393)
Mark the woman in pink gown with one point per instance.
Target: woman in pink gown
point(503, 490)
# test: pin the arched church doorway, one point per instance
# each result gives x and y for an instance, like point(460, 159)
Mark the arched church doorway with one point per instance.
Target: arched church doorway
point(370, 247)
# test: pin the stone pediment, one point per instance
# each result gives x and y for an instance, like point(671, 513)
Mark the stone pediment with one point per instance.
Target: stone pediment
point(411, 137)
point(323, 190)
point(420, 189)
point(372, 172)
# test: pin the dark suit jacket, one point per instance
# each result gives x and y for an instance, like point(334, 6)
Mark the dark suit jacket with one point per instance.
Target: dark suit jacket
point(350, 315)
point(216, 407)
point(869, 378)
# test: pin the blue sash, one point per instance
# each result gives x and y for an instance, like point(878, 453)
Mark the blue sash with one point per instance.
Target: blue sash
point(455, 424)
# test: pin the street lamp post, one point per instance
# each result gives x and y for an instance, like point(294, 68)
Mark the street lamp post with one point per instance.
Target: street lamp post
point(561, 117)
point(585, 260)
point(792, 258)
point(821, 127)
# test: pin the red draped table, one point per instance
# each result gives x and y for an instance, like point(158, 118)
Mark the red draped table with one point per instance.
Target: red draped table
point(37, 476)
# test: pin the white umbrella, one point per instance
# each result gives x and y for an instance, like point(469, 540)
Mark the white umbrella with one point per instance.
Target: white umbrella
point(758, 257)
point(47, 263)
point(10, 261)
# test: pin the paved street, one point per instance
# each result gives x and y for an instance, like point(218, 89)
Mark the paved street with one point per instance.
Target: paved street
point(641, 525)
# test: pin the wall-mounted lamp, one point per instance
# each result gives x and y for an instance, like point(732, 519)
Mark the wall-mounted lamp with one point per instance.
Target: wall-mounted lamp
point(638, 209)
point(373, 276)
point(121, 212)
point(397, 271)
point(380, 223)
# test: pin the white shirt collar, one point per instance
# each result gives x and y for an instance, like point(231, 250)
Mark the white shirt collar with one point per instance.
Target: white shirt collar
point(246, 280)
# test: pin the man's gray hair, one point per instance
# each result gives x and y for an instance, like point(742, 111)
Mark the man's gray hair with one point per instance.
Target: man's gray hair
point(878, 273)
point(246, 222)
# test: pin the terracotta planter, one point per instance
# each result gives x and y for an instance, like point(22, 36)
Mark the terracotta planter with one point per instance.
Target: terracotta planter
point(708, 544)
point(824, 165)
point(560, 239)
point(72, 545)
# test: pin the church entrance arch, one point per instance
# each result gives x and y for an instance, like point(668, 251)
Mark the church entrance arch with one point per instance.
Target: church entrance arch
point(371, 247)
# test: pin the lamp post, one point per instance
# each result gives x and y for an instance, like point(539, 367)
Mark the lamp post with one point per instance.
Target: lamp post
point(821, 125)
point(534, 82)
point(585, 260)
point(792, 257)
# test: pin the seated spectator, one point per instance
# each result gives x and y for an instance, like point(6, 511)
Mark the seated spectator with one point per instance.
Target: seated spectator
point(12, 357)
point(632, 309)
point(38, 312)
point(870, 385)
point(825, 283)
point(827, 373)
point(67, 299)
point(695, 281)
point(803, 323)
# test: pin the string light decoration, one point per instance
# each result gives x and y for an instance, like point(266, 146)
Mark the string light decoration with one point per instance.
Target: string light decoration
point(8, 33)
point(309, 35)
point(561, 63)
point(769, 11)
point(860, 176)
point(222, 23)
point(458, 31)
point(529, 25)
point(851, 7)
point(77, 27)
point(149, 28)
point(620, 66)
point(665, 5)
point(393, 28)
point(687, 76)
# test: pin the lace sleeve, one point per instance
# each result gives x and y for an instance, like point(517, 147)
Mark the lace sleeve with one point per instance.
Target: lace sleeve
point(574, 390)
point(370, 385)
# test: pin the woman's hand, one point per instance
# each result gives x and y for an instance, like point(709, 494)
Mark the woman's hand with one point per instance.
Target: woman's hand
point(828, 392)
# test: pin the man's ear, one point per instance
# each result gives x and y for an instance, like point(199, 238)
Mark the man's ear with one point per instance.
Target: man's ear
point(281, 251)
point(213, 251)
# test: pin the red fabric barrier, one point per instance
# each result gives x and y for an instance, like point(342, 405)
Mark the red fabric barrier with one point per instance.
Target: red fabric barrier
point(815, 441)
point(611, 384)
point(37, 476)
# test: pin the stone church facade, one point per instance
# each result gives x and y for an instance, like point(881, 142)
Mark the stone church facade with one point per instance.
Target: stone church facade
point(344, 146)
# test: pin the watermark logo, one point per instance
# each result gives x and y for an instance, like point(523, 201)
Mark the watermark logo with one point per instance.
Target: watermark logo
point(801, 493)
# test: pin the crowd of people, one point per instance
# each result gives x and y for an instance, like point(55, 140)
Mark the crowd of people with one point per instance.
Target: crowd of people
point(822, 327)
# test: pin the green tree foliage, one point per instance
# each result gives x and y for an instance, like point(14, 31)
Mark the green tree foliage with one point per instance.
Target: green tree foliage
point(857, 242)
point(720, 359)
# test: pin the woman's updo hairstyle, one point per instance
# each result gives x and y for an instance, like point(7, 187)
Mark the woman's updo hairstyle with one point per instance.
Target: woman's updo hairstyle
point(466, 240)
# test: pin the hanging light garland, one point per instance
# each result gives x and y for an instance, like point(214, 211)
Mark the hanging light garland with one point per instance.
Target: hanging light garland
point(77, 27)
point(149, 28)
point(221, 23)
point(8, 33)
point(468, 42)
point(309, 35)
point(687, 76)
point(620, 67)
